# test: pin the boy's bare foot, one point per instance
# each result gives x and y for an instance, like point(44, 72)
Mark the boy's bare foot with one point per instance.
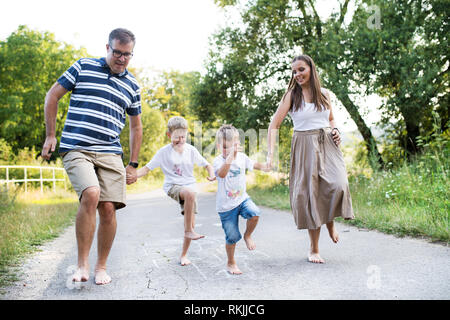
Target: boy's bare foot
point(249, 242)
point(101, 277)
point(193, 235)
point(315, 258)
point(184, 261)
point(333, 233)
point(81, 275)
point(233, 269)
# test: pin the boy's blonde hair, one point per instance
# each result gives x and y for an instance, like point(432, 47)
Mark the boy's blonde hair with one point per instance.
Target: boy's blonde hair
point(175, 123)
point(226, 132)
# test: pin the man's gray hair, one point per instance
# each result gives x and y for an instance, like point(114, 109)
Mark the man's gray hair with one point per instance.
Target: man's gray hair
point(123, 35)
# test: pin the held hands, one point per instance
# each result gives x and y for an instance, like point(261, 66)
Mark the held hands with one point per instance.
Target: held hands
point(131, 174)
point(211, 176)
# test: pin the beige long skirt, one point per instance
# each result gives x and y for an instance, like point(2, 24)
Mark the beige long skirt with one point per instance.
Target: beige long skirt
point(318, 185)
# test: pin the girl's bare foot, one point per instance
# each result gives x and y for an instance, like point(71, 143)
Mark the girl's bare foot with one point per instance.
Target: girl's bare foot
point(184, 261)
point(233, 269)
point(81, 274)
point(315, 258)
point(333, 233)
point(249, 242)
point(193, 235)
point(101, 277)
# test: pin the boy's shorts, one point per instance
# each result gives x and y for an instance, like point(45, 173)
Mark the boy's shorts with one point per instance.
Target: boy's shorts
point(174, 193)
point(96, 169)
point(230, 219)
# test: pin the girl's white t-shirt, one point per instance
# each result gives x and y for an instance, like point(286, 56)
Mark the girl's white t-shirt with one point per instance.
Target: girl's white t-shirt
point(231, 191)
point(178, 168)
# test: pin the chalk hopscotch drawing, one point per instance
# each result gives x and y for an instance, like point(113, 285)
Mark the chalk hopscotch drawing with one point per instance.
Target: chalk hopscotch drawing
point(208, 258)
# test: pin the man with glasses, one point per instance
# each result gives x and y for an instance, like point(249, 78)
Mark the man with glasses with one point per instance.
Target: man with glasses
point(103, 92)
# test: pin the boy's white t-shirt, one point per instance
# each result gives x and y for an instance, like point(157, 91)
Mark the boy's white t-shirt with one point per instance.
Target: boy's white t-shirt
point(177, 168)
point(231, 191)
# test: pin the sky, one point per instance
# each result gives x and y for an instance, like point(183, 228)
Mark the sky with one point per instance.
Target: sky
point(170, 34)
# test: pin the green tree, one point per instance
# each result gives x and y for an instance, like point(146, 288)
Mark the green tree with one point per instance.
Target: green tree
point(171, 92)
point(248, 67)
point(405, 59)
point(154, 134)
point(30, 62)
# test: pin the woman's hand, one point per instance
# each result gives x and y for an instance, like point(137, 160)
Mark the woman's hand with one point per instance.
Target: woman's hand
point(336, 136)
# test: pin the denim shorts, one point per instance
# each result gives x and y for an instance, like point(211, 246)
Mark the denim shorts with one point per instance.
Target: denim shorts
point(230, 219)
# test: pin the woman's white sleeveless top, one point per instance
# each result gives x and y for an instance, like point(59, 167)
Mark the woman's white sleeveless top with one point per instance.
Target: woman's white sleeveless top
point(308, 118)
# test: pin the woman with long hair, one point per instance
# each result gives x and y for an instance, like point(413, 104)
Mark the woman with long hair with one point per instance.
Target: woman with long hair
point(318, 185)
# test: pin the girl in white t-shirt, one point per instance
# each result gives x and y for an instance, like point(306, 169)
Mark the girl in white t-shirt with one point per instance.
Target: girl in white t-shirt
point(232, 199)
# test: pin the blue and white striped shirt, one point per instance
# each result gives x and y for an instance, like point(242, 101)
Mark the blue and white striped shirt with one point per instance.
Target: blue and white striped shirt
point(97, 108)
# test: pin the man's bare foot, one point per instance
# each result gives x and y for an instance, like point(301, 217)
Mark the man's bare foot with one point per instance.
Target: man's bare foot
point(193, 235)
point(233, 269)
point(101, 277)
point(81, 274)
point(184, 261)
point(315, 258)
point(333, 233)
point(249, 242)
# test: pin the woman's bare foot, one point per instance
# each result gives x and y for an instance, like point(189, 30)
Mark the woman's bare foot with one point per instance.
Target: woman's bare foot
point(184, 261)
point(81, 274)
point(315, 258)
point(233, 269)
point(101, 277)
point(332, 231)
point(193, 235)
point(249, 242)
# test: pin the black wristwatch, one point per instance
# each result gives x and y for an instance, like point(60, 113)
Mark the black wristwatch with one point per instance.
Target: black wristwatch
point(133, 164)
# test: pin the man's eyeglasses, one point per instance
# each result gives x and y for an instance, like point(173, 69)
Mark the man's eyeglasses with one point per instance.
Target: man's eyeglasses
point(118, 54)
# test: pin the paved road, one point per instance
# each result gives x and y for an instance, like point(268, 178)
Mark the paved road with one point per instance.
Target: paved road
point(144, 261)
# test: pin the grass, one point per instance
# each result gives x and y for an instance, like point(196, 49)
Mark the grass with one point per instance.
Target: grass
point(268, 190)
point(411, 200)
point(27, 221)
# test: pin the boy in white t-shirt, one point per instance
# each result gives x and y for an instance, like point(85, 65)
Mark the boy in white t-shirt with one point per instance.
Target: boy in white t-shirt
point(177, 161)
point(232, 199)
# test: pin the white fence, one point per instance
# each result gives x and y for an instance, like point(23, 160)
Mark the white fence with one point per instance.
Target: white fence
point(26, 180)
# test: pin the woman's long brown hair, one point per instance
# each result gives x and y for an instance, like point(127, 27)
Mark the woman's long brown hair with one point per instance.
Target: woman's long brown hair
point(318, 98)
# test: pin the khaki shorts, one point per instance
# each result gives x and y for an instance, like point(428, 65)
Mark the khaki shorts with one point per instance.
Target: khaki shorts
point(174, 193)
point(95, 169)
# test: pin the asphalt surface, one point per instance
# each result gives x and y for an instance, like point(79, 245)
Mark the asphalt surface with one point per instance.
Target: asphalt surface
point(144, 261)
